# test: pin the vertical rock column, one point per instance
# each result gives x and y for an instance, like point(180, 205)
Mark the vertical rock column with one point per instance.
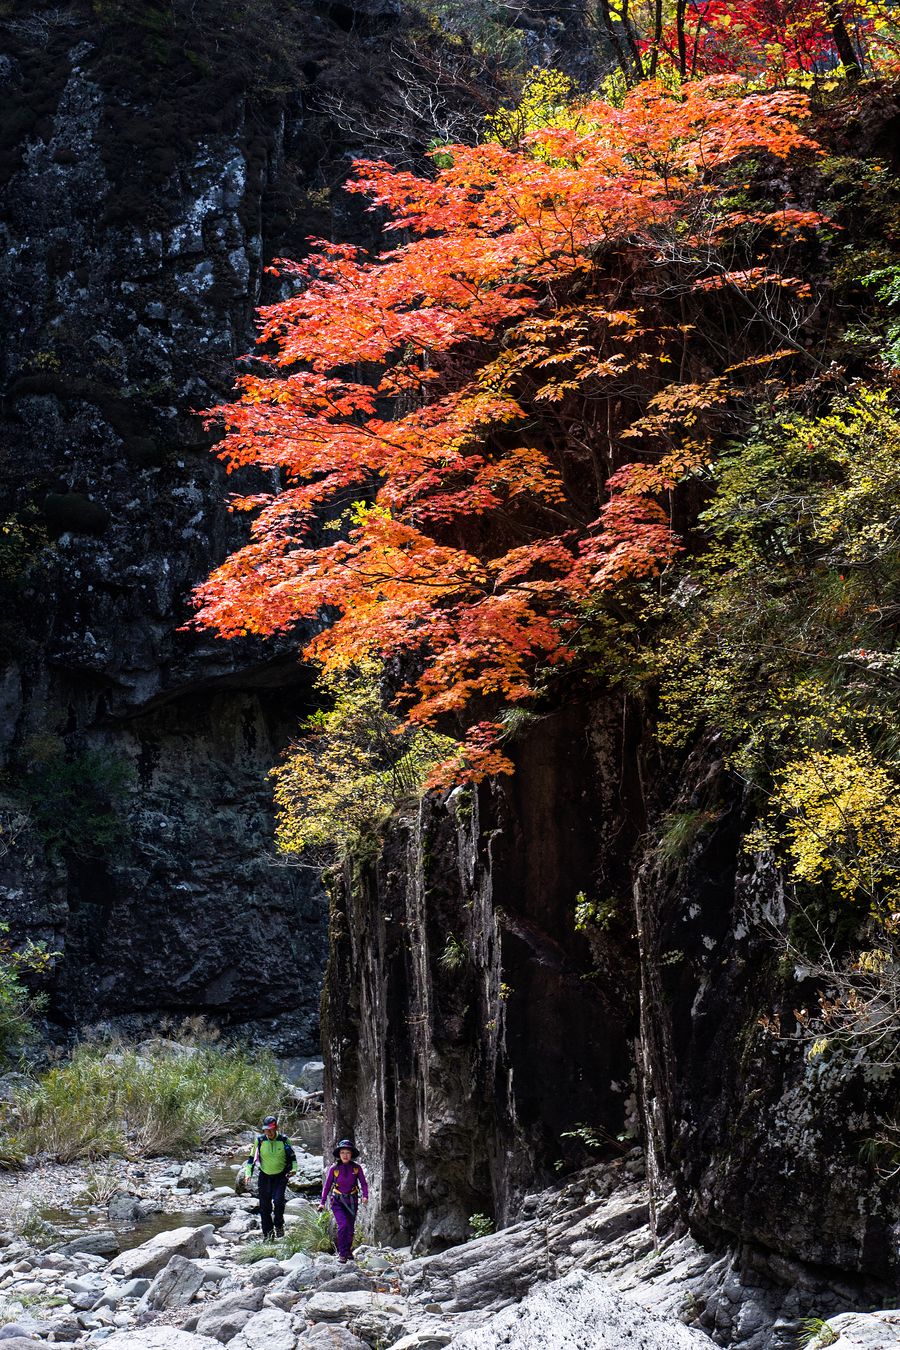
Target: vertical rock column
point(464, 1034)
point(413, 1024)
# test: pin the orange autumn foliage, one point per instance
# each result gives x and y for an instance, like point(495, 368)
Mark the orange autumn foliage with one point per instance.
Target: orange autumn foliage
point(430, 397)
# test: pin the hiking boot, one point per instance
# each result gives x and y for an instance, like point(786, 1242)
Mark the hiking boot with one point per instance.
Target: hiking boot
point(268, 1237)
point(279, 1230)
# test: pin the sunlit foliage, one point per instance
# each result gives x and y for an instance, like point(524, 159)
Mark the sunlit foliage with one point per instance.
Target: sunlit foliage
point(784, 639)
point(452, 396)
point(841, 825)
point(354, 766)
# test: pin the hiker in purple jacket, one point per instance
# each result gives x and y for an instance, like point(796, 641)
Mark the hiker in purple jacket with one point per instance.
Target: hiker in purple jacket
point(342, 1187)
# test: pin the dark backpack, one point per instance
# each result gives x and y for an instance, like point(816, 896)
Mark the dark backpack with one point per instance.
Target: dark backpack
point(290, 1157)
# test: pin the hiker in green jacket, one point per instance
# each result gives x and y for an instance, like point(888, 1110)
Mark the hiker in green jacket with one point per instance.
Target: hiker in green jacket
point(277, 1160)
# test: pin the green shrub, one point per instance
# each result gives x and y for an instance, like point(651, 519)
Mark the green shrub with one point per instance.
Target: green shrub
point(680, 832)
point(816, 1334)
point(101, 1185)
point(309, 1232)
point(354, 767)
point(15, 1021)
point(17, 1005)
point(13, 1152)
point(454, 955)
point(113, 1100)
point(256, 1251)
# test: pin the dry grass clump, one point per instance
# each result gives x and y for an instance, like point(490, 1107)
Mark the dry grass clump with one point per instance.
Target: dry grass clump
point(163, 1100)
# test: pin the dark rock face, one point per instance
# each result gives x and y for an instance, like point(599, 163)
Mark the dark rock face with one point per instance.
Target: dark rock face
point(152, 160)
point(474, 1038)
point(463, 1032)
point(153, 157)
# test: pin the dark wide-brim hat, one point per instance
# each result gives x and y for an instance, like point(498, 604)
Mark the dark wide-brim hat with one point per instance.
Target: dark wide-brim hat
point(346, 1143)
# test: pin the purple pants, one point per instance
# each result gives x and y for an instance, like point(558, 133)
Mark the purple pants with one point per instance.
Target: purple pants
point(344, 1211)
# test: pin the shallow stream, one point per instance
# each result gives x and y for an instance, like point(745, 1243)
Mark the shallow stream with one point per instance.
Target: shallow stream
point(71, 1221)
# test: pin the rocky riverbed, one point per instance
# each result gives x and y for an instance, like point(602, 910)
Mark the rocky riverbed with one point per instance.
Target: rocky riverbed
point(580, 1270)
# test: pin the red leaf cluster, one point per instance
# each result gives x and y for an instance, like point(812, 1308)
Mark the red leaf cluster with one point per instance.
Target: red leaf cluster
point(404, 396)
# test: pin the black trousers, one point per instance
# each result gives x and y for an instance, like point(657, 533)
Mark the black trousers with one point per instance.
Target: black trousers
point(271, 1201)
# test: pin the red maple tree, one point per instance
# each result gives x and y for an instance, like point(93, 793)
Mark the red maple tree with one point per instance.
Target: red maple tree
point(446, 406)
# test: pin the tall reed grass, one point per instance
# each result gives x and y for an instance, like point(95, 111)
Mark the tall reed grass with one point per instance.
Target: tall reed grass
point(118, 1100)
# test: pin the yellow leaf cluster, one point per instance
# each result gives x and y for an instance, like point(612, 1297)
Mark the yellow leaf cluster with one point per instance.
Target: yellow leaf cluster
point(838, 822)
point(356, 764)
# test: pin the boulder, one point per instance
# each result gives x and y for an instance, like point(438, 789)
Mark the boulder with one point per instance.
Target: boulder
point(239, 1224)
point(340, 1284)
point(286, 1299)
point(351, 1305)
point(84, 1284)
point(125, 1208)
point(312, 1076)
point(264, 1272)
point(10, 1084)
point(133, 1288)
point(301, 1277)
point(326, 1337)
point(154, 1338)
point(380, 1324)
point(103, 1242)
point(195, 1177)
point(579, 1312)
point(161, 1047)
point(310, 1172)
point(485, 1274)
point(859, 1331)
point(326, 1267)
point(213, 1271)
point(175, 1285)
point(223, 1319)
point(62, 1330)
point(111, 1298)
point(271, 1329)
point(152, 1256)
point(430, 1339)
point(370, 1258)
point(83, 1302)
point(297, 1261)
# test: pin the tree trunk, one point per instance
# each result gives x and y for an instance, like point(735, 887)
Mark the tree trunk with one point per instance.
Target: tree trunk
point(843, 41)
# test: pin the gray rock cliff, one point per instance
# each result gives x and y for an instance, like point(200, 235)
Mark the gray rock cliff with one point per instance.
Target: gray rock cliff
point(153, 159)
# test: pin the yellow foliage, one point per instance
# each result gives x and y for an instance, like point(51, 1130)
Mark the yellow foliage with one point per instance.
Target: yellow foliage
point(357, 763)
point(838, 823)
point(549, 99)
point(872, 962)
